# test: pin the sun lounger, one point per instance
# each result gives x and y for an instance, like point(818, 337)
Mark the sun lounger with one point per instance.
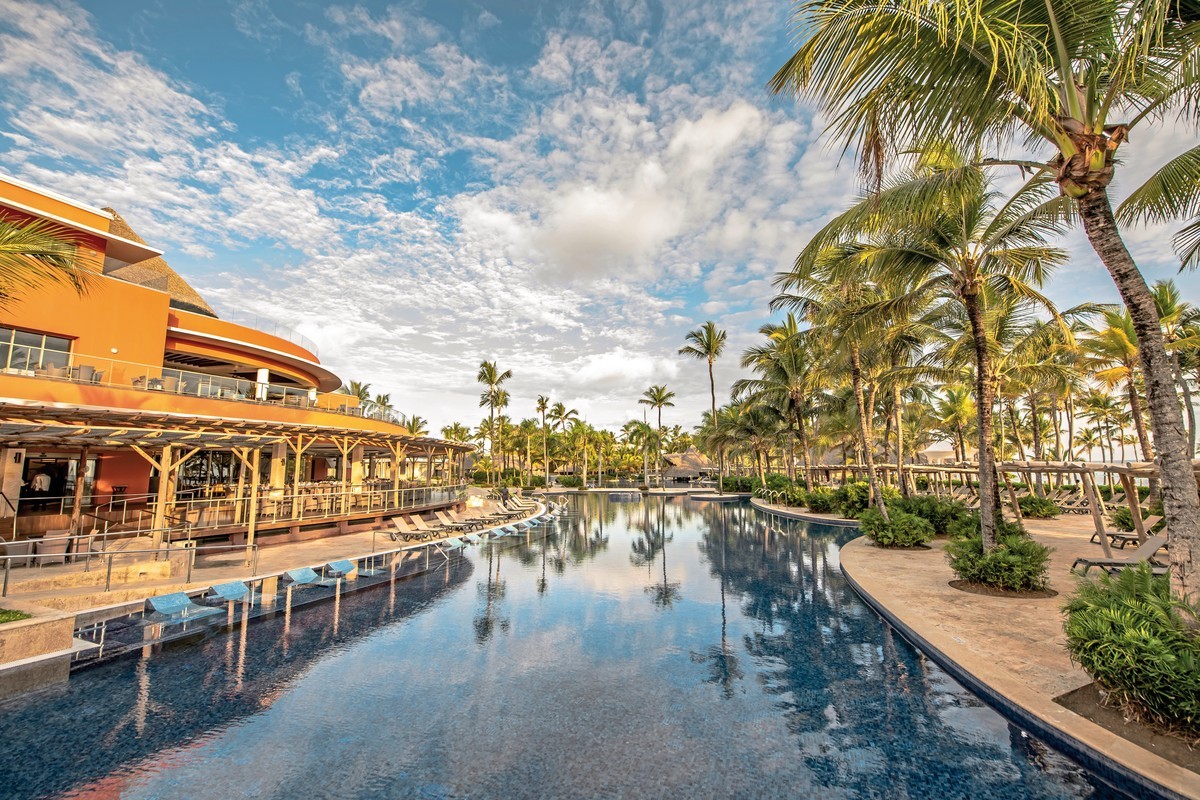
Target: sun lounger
point(453, 543)
point(1122, 538)
point(227, 592)
point(307, 576)
point(340, 569)
point(1114, 565)
point(450, 523)
point(430, 531)
point(406, 533)
point(474, 538)
point(178, 607)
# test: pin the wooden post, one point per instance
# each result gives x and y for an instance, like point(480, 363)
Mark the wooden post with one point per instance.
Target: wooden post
point(1135, 505)
point(1012, 494)
point(1093, 497)
point(252, 519)
point(77, 508)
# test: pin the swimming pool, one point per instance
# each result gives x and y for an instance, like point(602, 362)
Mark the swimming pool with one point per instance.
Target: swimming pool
point(642, 649)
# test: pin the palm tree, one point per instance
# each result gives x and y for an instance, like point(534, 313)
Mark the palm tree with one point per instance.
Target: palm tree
point(543, 405)
point(1111, 354)
point(955, 412)
point(706, 344)
point(492, 377)
point(657, 397)
point(416, 424)
point(456, 432)
point(943, 231)
point(1178, 320)
point(359, 390)
point(382, 404)
point(38, 252)
point(561, 416)
point(1057, 73)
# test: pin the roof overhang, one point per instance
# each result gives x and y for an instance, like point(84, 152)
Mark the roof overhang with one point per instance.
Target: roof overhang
point(116, 247)
point(326, 380)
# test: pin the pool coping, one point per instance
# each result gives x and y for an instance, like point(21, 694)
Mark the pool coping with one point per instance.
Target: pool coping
point(791, 513)
point(1123, 764)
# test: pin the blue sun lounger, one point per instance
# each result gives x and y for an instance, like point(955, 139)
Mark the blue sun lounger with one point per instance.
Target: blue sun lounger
point(474, 538)
point(307, 576)
point(178, 607)
point(341, 568)
point(452, 543)
point(227, 592)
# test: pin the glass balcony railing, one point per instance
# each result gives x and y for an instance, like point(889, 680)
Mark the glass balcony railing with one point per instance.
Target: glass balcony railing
point(98, 370)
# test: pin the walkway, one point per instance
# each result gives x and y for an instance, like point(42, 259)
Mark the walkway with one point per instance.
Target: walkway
point(1014, 646)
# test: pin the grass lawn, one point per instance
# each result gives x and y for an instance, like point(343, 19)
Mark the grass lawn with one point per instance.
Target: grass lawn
point(11, 616)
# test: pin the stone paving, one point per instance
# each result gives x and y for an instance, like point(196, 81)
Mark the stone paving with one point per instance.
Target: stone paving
point(1014, 645)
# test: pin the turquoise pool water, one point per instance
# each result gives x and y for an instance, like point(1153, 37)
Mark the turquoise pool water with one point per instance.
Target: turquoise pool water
point(665, 648)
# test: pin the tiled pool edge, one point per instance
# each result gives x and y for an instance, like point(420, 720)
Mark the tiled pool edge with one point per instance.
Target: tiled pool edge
point(1181, 786)
point(792, 513)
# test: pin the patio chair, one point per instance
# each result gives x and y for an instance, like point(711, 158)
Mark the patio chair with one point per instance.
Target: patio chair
point(177, 607)
point(227, 593)
point(1114, 565)
point(52, 549)
point(20, 550)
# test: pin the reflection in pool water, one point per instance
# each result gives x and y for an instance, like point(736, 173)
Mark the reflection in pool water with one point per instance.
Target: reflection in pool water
point(642, 649)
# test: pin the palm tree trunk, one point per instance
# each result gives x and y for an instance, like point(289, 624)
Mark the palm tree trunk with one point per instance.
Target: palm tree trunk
point(898, 409)
point(658, 451)
point(1181, 505)
point(545, 450)
point(802, 430)
point(1016, 428)
point(712, 388)
point(1035, 421)
point(985, 397)
point(1188, 410)
point(1139, 424)
point(864, 430)
point(492, 433)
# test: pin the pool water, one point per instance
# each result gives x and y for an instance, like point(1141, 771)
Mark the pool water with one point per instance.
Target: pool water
point(658, 648)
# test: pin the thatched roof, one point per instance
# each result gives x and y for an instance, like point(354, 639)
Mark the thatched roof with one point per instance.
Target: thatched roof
point(688, 464)
point(156, 273)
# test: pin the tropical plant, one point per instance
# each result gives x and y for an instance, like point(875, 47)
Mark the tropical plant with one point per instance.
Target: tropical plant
point(38, 252)
point(658, 397)
point(1016, 563)
point(1139, 643)
point(706, 343)
point(901, 530)
point(492, 378)
point(1072, 76)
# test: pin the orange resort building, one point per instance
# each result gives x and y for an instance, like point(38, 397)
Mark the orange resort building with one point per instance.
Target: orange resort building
point(132, 410)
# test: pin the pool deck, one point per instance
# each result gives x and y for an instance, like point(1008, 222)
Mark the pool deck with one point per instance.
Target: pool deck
point(226, 567)
point(1012, 649)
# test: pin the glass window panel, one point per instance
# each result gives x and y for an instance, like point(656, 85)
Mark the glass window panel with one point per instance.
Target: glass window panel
point(32, 340)
point(5, 350)
point(58, 343)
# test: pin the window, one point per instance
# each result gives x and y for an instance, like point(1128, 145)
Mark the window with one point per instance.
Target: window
point(25, 350)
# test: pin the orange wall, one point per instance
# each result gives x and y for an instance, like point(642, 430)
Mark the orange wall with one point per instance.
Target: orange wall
point(239, 333)
point(111, 314)
point(89, 249)
point(122, 468)
point(50, 205)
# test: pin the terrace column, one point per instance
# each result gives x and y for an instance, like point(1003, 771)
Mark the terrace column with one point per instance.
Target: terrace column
point(279, 452)
point(168, 469)
point(356, 467)
point(13, 461)
point(261, 383)
point(77, 505)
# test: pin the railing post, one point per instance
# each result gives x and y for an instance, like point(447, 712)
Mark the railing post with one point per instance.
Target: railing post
point(7, 569)
point(108, 574)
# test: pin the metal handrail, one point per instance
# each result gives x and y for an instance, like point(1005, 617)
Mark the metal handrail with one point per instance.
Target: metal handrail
point(87, 556)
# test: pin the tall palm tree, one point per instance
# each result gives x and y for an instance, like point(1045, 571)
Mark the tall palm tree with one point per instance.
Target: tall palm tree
point(416, 424)
point(942, 230)
point(359, 390)
point(1178, 319)
point(562, 416)
point(491, 377)
point(38, 252)
point(658, 397)
point(543, 405)
point(1073, 76)
point(706, 343)
point(456, 432)
point(1111, 354)
point(382, 405)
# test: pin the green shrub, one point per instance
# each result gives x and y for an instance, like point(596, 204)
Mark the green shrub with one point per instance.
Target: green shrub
point(902, 530)
point(479, 476)
point(852, 499)
point(1018, 563)
point(796, 496)
point(1134, 639)
point(964, 527)
point(571, 481)
point(739, 483)
point(940, 513)
point(777, 482)
point(1036, 507)
point(1122, 518)
point(536, 481)
point(8, 615)
point(822, 500)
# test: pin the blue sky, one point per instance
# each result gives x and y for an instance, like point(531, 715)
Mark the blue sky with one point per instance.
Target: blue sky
point(565, 187)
